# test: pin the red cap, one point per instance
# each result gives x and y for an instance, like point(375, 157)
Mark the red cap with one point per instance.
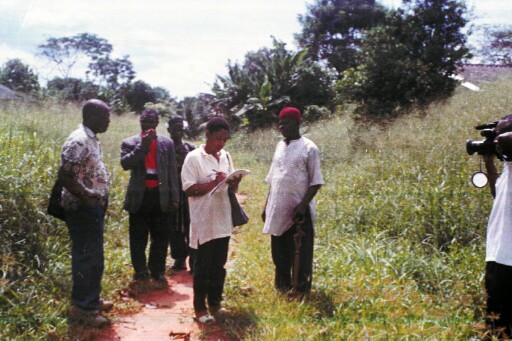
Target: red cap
point(291, 112)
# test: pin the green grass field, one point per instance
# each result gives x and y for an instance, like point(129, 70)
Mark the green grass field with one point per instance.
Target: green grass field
point(400, 244)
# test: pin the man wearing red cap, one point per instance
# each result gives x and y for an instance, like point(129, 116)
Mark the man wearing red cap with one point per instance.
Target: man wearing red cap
point(294, 177)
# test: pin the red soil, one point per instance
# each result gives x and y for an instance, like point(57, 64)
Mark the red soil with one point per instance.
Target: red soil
point(166, 315)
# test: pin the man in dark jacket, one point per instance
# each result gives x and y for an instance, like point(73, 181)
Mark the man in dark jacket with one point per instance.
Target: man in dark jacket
point(180, 222)
point(151, 197)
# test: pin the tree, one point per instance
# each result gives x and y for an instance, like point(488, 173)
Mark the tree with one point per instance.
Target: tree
point(161, 94)
point(333, 30)
point(196, 111)
point(65, 52)
point(114, 77)
point(410, 61)
point(269, 79)
point(138, 94)
point(19, 77)
point(111, 75)
point(497, 45)
point(71, 89)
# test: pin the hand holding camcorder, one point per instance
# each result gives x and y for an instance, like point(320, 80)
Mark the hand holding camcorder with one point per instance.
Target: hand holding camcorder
point(486, 146)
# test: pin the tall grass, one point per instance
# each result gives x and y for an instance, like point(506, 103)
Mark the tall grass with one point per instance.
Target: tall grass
point(400, 241)
point(399, 252)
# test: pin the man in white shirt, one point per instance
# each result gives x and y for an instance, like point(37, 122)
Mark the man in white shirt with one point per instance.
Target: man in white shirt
point(210, 217)
point(498, 274)
point(294, 177)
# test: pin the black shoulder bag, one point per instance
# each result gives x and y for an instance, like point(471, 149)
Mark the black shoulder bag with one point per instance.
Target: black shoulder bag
point(238, 214)
point(54, 207)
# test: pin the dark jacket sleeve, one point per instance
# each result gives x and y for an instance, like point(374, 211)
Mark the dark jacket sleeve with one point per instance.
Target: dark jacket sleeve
point(173, 175)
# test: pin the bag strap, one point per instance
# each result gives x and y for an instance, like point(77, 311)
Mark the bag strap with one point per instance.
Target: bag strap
point(230, 190)
point(230, 165)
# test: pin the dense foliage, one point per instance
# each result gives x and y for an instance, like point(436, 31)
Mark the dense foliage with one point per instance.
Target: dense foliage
point(497, 45)
point(19, 77)
point(111, 75)
point(138, 94)
point(269, 79)
point(71, 89)
point(333, 30)
point(411, 60)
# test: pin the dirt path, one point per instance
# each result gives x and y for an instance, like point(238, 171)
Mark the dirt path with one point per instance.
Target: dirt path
point(166, 315)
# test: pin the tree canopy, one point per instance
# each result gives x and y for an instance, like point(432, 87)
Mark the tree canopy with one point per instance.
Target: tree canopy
point(19, 77)
point(409, 61)
point(111, 75)
point(65, 52)
point(333, 30)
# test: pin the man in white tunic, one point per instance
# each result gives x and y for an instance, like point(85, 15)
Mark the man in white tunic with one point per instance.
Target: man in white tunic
point(498, 274)
point(294, 177)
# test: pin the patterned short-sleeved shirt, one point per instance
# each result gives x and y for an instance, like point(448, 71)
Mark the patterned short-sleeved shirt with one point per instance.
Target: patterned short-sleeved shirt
point(82, 154)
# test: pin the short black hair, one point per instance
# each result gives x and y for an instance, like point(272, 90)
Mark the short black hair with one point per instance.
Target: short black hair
point(217, 123)
point(149, 111)
point(174, 120)
point(92, 107)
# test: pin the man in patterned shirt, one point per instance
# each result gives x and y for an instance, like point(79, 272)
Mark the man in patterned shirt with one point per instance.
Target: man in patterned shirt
point(85, 198)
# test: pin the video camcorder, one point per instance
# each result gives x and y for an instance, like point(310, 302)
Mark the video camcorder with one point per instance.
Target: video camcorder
point(486, 146)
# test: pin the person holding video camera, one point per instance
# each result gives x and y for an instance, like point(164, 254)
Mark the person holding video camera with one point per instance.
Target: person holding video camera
point(498, 273)
point(151, 197)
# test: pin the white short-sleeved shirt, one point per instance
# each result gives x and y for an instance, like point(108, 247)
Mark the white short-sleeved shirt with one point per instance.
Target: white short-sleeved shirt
point(499, 227)
point(210, 216)
point(295, 167)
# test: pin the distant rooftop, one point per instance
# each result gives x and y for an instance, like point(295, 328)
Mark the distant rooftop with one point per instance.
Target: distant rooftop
point(6, 93)
point(477, 73)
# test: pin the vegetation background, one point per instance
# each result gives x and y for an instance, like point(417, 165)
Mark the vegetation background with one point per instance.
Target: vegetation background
point(399, 252)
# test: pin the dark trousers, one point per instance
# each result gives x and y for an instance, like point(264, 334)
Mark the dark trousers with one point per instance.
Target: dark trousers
point(149, 221)
point(179, 244)
point(498, 282)
point(209, 273)
point(85, 226)
point(283, 255)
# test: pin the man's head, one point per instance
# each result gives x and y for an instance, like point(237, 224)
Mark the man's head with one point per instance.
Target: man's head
point(149, 119)
point(217, 134)
point(175, 127)
point(291, 112)
point(289, 123)
point(96, 115)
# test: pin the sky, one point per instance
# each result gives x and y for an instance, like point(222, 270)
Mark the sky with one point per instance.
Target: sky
point(181, 45)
